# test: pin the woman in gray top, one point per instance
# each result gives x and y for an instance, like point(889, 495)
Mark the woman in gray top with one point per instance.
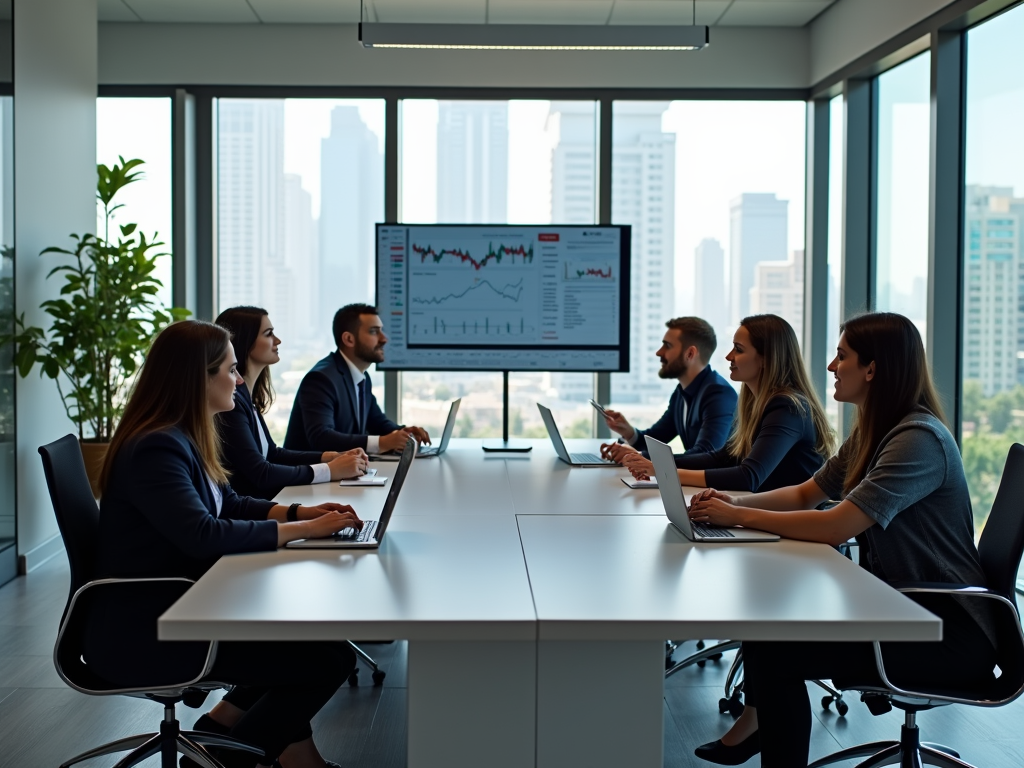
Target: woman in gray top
point(903, 494)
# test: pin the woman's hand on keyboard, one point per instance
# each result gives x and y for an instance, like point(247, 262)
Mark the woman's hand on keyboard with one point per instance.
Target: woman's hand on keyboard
point(715, 508)
point(312, 513)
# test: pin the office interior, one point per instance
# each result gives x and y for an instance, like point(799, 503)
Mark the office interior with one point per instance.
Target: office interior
point(874, 144)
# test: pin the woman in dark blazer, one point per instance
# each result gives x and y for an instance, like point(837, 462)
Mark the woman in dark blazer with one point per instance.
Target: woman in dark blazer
point(167, 510)
point(256, 465)
point(781, 435)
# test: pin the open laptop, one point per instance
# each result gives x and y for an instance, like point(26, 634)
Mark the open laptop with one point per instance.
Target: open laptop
point(372, 533)
point(428, 450)
point(677, 509)
point(573, 459)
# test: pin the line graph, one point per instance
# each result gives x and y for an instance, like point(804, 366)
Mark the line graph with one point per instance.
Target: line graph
point(509, 291)
point(588, 271)
point(465, 256)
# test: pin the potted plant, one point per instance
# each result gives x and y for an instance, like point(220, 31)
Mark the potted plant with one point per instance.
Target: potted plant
point(102, 323)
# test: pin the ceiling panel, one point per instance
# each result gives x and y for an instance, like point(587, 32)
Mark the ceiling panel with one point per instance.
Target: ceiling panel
point(550, 11)
point(667, 11)
point(197, 11)
point(773, 13)
point(307, 11)
point(114, 10)
point(434, 12)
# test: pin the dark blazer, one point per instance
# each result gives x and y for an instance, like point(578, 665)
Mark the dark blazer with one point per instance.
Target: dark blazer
point(701, 415)
point(158, 518)
point(252, 474)
point(324, 414)
point(782, 454)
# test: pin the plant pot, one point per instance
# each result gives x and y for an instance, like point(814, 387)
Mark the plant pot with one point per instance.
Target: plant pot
point(94, 455)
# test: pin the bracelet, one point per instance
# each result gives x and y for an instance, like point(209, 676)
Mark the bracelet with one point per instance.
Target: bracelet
point(293, 513)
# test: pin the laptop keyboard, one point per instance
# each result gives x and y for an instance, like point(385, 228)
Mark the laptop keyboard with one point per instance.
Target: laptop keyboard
point(366, 534)
point(710, 532)
point(589, 458)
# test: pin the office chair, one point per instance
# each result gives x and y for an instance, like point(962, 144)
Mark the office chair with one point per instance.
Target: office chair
point(78, 520)
point(1001, 547)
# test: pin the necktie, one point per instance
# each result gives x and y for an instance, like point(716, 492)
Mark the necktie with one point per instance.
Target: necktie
point(361, 404)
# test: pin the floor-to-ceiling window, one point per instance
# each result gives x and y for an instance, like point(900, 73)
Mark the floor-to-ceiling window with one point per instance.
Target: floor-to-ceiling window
point(300, 186)
point(993, 253)
point(8, 476)
point(835, 244)
point(714, 191)
point(901, 244)
point(497, 162)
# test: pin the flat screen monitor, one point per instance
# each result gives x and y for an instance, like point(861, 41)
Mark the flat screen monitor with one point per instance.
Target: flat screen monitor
point(504, 297)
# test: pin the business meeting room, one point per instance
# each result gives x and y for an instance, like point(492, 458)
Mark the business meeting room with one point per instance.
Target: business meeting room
point(511, 383)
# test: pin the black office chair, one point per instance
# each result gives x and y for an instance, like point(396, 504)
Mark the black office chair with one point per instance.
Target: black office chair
point(1001, 548)
point(78, 519)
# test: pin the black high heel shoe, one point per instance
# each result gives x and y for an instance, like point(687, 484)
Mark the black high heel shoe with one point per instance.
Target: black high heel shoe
point(717, 752)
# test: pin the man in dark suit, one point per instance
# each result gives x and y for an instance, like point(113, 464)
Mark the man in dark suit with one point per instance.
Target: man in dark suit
point(701, 409)
point(335, 409)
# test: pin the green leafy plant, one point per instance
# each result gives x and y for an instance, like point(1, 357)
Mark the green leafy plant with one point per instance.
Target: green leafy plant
point(105, 318)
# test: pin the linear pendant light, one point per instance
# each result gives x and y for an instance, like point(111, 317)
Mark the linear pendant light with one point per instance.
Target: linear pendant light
point(533, 37)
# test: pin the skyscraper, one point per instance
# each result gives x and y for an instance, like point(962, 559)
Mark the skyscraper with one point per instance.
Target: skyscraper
point(643, 195)
point(757, 232)
point(301, 258)
point(573, 163)
point(993, 331)
point(472, 162)
point(779, 290)
point(351, 203)
point(709, 293)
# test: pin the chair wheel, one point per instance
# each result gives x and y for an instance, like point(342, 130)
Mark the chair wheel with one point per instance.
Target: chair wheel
point(842, 708)
point(353, 678)
point(701, 663)
point(715, 656)
point(736, 705)
point(378, 677)
point(700, 645)
point(723, 706)
point(826, 701)
point(669, 662)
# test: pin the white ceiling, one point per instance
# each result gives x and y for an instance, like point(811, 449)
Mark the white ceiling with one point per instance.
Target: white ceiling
point(744, 13)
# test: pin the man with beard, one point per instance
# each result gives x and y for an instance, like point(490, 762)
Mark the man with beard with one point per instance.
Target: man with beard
point(701, 408)
point(334, 408)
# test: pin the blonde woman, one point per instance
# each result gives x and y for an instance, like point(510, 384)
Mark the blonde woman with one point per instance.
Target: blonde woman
point(780, 436)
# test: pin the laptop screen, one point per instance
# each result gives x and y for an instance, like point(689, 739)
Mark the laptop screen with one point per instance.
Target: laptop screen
point(672, 497)
point(449, 425)
point(408, 453)
point(556, 438)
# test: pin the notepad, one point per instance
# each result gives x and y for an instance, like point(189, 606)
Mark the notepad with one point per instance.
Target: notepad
point(634, 483)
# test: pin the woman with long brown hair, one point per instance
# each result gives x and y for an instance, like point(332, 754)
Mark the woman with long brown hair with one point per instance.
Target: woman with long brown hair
point(167, 510)
point(780, 435)
point(256, 464)
point(903, 493)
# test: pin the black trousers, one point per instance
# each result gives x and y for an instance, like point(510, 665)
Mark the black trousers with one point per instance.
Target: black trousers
point(280, 687)
point(775, 675)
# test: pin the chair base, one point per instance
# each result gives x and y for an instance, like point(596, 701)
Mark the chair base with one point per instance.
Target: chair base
point(908, 752)
point(169, 742)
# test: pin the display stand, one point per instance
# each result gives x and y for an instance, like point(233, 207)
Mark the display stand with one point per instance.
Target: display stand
point(505, 446)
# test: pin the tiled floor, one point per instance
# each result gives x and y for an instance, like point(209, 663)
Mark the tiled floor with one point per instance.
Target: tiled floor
point(43, 722)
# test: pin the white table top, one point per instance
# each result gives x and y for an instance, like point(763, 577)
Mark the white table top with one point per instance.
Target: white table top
point(636, 578)
point(437, 578)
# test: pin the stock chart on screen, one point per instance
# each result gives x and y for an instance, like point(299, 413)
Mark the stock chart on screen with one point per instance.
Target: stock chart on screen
point(504, 297)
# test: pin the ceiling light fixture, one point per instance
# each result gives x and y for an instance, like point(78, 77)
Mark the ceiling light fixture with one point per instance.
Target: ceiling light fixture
point(533, 37)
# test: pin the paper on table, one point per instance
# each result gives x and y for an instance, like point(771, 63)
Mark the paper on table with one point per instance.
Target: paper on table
point(370, 478)
point(634, 483)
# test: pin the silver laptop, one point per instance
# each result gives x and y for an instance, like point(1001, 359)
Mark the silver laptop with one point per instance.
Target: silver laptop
point(428, 450)
point(372, 533)
point(573, 459)
point(677, 509)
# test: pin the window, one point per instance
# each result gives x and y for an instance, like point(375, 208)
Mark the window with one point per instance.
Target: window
point(722, 227)
point(993, 370)
point(8, 470)
point(300, 186)
point(140, 128)
point(517, 162)
point(835, 243)
point(901, 274)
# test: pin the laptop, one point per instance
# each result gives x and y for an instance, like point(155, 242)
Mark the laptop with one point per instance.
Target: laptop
point(428, 450)
point(372, 534)
point(573, 459)
point(677, 509)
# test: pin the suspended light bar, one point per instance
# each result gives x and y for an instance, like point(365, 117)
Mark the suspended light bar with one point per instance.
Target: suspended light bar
point(533, 37)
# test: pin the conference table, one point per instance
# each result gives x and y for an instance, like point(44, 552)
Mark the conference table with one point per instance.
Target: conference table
point(536, 599)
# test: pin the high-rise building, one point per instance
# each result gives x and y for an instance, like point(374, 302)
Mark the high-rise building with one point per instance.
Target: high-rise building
point(351, 203)
point(472, 162)
point(779, 290)
point(709, 292)
point(643, 195)
point(250, 189)
point(993, 282)
point(301, 258)
point(757, 232)
point(574, 163)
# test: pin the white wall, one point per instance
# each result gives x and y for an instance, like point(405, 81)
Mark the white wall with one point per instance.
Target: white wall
point(851, 28)
point(54, 183)
point(296, 54)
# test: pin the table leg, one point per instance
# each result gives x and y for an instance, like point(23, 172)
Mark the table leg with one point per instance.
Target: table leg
point(472, 704)
point(600, 704)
